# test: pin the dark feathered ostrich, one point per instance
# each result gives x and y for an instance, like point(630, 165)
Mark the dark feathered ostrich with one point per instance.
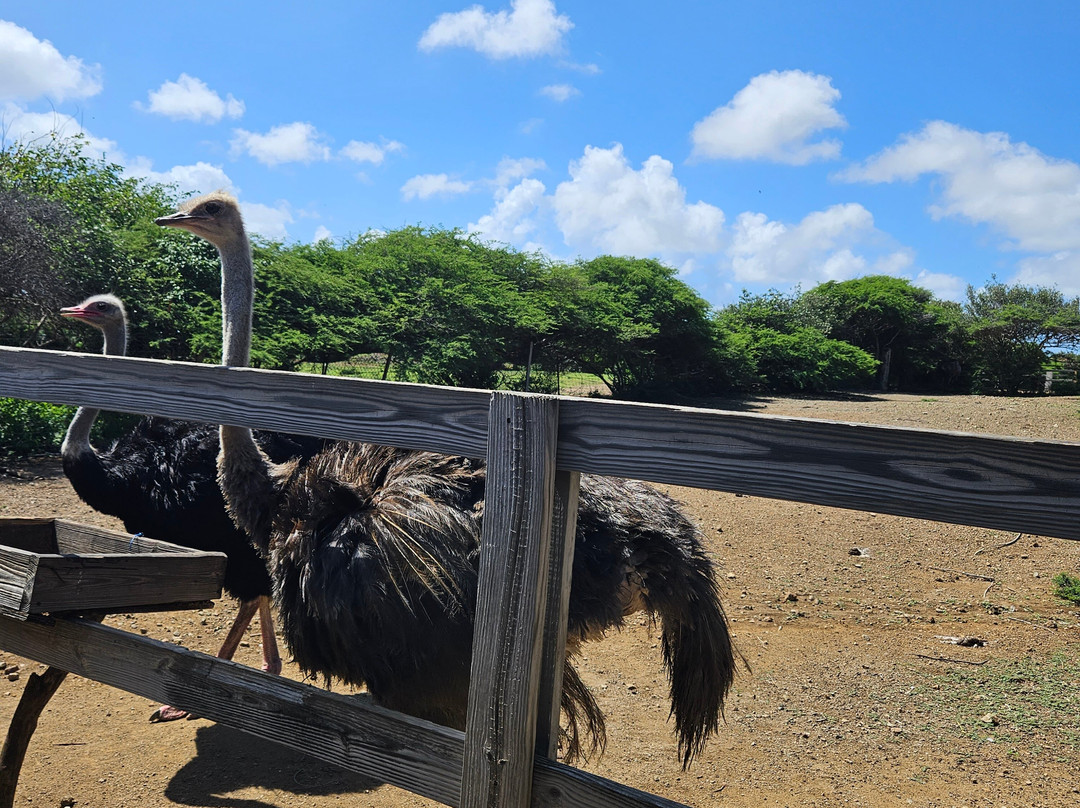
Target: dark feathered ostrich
point(374, 554)
point(160, 479)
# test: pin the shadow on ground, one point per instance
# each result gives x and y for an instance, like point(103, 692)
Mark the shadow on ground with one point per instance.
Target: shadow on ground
point(227, 760)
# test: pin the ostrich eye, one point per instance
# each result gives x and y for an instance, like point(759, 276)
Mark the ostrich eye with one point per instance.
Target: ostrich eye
point(102, 305)
point(213, 208)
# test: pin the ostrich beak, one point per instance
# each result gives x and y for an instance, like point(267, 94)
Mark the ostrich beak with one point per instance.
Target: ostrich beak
point(179, 219)
point(75, 311)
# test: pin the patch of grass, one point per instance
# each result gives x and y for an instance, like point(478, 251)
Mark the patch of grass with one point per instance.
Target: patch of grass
point(1067, 587)
point(1036, 703)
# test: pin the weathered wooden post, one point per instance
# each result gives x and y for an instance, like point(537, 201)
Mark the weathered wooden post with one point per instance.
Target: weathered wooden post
point(515, 548)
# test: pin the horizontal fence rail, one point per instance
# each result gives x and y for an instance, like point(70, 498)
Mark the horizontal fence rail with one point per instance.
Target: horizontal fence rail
point(1007, 483)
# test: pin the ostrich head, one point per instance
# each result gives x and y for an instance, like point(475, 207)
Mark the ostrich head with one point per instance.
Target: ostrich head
point(214, 217)
point(105, 313)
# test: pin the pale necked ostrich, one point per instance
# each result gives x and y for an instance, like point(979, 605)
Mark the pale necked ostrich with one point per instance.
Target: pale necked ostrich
point(374, 554)
point(160, 479)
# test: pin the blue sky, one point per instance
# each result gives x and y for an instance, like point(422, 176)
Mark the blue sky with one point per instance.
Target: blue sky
point(751, 145)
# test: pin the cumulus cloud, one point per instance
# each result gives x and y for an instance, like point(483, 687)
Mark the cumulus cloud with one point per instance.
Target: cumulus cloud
point(824, 246)
point(774, 117)
point(199, 178)
point(511, 170)
point(266, 221)
point(364, 152)
point(188, 98)
point(530, 28)
point(425, 186)
point(560, 92)
point(609, 206)
point(1032, 198)
point(32, 67)
point(19, 125)
point(322, 234)
point(288, 143)
point(512, 220)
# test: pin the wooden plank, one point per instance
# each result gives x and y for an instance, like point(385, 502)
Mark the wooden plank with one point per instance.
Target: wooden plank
point(413, 416)
point(74, 537)
point(82, 582)
point(1013, 484)
point(17, 571)
point(557, 610)
point(346, 731)
point(515, 539)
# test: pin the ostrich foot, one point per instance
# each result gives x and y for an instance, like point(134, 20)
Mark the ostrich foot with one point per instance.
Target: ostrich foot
point(166, 713)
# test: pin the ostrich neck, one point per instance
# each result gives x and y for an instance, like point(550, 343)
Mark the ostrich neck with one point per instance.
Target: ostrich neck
point(77, 438)
point(246, 475)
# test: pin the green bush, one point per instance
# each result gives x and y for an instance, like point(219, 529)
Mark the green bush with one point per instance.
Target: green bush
point(31, 427)
point(1067, 587)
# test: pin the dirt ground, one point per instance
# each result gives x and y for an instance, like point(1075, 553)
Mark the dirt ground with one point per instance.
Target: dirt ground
point(855, 695)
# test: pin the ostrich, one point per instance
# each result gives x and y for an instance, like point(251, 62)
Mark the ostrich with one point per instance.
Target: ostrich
point(374, 555)
point(161, 480)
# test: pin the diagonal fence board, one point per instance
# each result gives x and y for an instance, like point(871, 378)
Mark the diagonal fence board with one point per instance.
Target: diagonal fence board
point(1013, 484)
point(346, 731)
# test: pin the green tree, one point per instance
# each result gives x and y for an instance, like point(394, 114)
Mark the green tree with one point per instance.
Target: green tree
point(887, 317)
point(642, 330)
point(1014, 328)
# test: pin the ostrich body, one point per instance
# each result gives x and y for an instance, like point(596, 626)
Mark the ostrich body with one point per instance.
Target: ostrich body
point(160, 480)
point(374, 555)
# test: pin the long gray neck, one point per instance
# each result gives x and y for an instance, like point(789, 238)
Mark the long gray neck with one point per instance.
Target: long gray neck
point(77, 438)
point(247, 477)
point(237, 300)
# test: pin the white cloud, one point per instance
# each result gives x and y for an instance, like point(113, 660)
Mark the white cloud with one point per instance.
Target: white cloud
point(1060, 269)
point(512, 221)
point(773, 118)
point(199, 178)
point(609, 206)
point(322, 233)
point(822, 247)
point(425, 186)
point(268, 222)
point(531, 125)
point(511, 170)
point(1032, 198)
point(32, 67)
point(188, 98)
point(363, 152)
point(531, 28)
point(288, 143)
point(589, 69)
point(16, 124)
point(944, 287)
point(560, 92)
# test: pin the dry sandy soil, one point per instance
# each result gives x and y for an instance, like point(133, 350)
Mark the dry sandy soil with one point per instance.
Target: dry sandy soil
point(843, 704)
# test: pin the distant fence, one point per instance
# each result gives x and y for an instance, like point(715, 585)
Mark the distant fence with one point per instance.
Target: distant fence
point(536, 447)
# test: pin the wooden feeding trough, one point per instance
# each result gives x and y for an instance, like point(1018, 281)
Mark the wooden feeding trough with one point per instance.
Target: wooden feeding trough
point(53, 565)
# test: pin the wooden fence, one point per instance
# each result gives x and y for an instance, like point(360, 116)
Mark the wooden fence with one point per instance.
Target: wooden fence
point(535, 447)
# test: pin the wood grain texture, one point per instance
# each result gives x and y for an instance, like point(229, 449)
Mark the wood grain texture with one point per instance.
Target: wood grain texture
point(500, 737)
point(81, 582)
point(413, 416)
point(557, 611)
point(346, 731)
point(1013, 484)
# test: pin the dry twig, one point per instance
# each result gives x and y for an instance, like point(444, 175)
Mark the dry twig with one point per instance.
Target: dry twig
point(1013, 540)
